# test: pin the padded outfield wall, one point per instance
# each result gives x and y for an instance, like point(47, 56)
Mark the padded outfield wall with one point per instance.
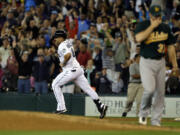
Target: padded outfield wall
point(43, 103)
point(78, 104)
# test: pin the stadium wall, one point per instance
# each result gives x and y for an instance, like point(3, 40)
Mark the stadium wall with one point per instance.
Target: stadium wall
point(78, 104)
point(43, 103)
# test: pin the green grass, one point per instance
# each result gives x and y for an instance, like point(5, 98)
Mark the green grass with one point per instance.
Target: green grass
point(167, 122)
point(87, 133)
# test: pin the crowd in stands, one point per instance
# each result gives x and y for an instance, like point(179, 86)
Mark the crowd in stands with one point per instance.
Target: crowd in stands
point(103, 33)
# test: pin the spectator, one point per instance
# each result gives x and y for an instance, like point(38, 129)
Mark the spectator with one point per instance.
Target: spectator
point(41, 73)
point(60, 24)
point(53, 17)
point(83, 55)
point(46, 28)
point(93, 37)
point(176, 8)
point(97, 58)
point(10, 18)
point(129, 5)
point(107, 59)
point(90, 72)
point(121, 51)
point(143, 12)
point(125, 73)
point(24, 70)
point(5, 51)
point(107, 53)
point(172, 85)
point(118, 84)
point(53, 6)
point(33, 28)
point(103, 83)
point(83, 24)
point(11, 72)
point(118, 8)
point(130, 35)
point(71, 26)
point(29, 4)
point(135, 88)
point(99, 24)
point(176, 25)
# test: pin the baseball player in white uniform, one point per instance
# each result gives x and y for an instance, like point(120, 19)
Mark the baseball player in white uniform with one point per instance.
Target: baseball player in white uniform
point(71, 71)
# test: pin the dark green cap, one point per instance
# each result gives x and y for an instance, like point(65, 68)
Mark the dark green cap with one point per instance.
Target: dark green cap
point(155, 10)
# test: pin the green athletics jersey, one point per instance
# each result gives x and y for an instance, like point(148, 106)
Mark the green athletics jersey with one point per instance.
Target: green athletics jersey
point(154, 46)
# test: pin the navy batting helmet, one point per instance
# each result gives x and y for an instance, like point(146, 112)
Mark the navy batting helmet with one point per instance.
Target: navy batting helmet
point(60, 33)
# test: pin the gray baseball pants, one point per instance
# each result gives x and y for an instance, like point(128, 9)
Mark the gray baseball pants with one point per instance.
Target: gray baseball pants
point(153, 79)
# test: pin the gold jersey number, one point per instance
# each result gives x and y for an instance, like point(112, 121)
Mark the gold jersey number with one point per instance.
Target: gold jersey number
point(161, 48)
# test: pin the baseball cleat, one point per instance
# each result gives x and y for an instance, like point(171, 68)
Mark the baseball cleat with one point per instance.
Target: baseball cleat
point(143, 120)
point(124, 114)
point(177, 119)
point(103, 112)
point(60, 112)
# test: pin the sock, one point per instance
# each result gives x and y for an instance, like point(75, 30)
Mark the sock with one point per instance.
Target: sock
point(98, 104)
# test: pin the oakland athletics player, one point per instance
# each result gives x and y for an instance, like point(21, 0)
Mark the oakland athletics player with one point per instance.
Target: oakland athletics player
point(154, 36)
point(71, 71)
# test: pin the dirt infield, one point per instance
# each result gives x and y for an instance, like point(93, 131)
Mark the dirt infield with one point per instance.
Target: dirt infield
point(18, 120)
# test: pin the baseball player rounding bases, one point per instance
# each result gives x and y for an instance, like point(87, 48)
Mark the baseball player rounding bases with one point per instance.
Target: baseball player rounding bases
point(154, 36)
point(71, 71)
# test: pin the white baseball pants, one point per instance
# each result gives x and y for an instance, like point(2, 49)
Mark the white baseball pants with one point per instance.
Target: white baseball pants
point(77, 76)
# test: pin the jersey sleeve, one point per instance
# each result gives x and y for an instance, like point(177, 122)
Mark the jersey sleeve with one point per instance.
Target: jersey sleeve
point(63, 50)
point(69, 43)
point(141, 27)
point(171, 39)
point(66, 50)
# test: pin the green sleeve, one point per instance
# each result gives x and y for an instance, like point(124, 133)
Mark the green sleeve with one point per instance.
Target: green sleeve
point(171, 39)
point(141, 26)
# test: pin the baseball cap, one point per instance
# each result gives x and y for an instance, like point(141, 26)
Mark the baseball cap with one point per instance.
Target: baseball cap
point(155, 10)
point(60, 33)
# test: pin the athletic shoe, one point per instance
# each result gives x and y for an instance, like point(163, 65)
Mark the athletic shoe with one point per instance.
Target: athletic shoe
point(60, 112)
point(103, 111)
point(156, 124)
point(143, 120)
point(124, 114)
point(177, 119)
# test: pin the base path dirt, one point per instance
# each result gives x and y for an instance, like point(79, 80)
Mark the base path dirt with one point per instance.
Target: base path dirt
point(19, 120)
